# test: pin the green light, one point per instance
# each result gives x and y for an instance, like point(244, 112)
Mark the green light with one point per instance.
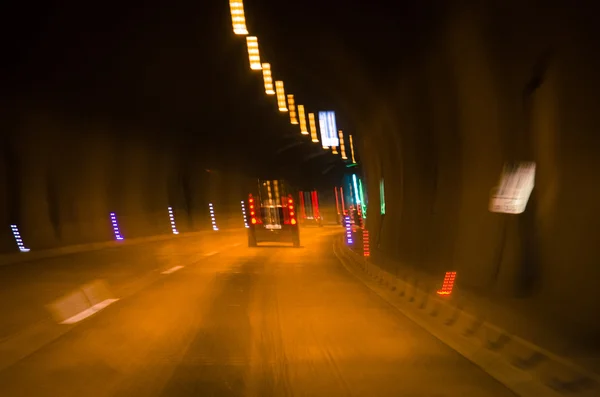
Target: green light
point(382, 196)
point(351, 165)
point(356, 194)
point(362, 198)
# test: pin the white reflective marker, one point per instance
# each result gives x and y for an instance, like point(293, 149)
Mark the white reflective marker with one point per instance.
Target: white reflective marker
point(244, 214)
point(212, 217)
point(88, 312)
point(172, 219)
point(18, 239)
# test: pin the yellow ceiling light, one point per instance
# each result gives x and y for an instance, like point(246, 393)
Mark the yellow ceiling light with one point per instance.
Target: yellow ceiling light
point(253, 54)
point(238, 19)
point(342, 145)
point(280, 96)
point(292, 109)
point(302, 117)
point(313, 127)
point(268, 78)
point(352, 149)
point(334, 150)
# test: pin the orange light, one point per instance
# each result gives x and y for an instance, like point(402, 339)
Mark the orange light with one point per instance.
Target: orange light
point(251, 213)
point(342, 145)
point(313, 127)
point(290, 201)
point(291, 207)
point(280, 90)
point(302, 117)
point(254, 221)
point(293, 221)
point(268, 79)
point(252, 207)
point(238, 18)
point(292, 213)
point(352, 149)
point(253, 53)
point(448, 284)
point(366, 247)
point(292, 108)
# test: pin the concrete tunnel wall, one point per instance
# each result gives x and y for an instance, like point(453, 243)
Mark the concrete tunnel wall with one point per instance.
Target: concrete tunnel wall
point(62, 178)
point(458, 111)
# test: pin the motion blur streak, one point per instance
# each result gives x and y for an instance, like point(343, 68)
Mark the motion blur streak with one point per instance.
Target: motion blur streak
point(272, 321)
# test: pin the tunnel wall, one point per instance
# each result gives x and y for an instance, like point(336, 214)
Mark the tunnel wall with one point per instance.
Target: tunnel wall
point(62, 178)
point(495, 84)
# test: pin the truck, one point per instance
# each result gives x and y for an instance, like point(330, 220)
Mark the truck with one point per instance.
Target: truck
point(273, 214)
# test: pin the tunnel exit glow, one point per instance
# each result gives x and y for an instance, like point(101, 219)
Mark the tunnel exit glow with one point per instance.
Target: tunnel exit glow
point(18, 239)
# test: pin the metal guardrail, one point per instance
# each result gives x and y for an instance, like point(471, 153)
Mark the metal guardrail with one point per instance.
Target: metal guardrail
point(527, 369)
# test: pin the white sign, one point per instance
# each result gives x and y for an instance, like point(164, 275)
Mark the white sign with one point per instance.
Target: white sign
point(515, 187)
point(328, 126)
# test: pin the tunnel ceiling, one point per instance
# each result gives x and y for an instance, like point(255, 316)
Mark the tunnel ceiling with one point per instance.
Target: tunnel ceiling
point(179, 74)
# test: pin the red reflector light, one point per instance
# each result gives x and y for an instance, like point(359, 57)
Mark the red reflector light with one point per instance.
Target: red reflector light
point(293, 221)
point(290, 201)
point(292, 213)
point(254, 221)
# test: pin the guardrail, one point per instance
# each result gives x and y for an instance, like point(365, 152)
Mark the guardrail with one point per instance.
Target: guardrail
point(526, 369)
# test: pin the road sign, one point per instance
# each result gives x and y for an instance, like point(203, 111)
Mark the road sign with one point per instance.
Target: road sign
point(514, 189)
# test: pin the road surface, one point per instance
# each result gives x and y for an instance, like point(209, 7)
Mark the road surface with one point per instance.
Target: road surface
point(236, 321)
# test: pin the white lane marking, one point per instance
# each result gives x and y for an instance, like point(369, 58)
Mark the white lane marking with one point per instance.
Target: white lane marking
point(88, 312)
point(212, 253)
point(172, 270)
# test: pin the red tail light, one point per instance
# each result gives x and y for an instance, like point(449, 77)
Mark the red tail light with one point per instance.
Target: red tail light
point(291, 211)
point(254, 212)
point(302, 205)
point(315, 201)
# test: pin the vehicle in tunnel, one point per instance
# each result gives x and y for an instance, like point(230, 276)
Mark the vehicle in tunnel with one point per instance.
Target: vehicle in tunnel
point(308, 205)
point(273, 215)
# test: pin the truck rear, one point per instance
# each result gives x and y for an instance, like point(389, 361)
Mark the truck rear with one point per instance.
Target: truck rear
point(273, 215)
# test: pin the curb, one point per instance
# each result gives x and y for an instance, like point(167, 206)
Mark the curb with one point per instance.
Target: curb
point(20, 257)
point(526, 369)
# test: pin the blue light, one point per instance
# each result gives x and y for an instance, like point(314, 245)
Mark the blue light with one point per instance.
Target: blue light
point(348, 230)
point(115, 225)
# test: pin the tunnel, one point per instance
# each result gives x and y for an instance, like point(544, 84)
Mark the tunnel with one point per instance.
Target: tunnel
point(133, 136)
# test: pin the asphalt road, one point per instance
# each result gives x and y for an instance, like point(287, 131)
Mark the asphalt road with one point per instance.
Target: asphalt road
point(267, 321)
